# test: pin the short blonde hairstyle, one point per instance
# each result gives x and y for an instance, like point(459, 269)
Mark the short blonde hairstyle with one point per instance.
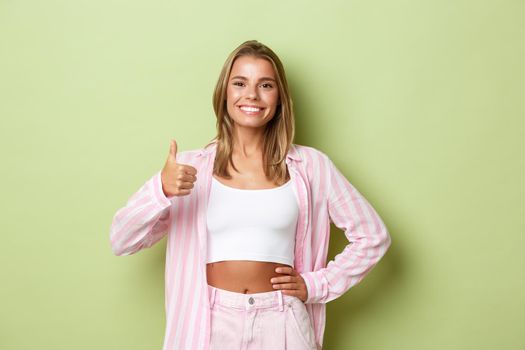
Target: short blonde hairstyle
point(280, 130)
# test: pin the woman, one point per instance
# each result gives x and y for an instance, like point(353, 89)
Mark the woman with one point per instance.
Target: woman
point(248, 222)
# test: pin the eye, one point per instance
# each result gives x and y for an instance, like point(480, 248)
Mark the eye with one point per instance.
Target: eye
point(267, 85)
point(238, 83)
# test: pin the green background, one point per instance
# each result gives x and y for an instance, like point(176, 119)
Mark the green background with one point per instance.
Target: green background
point(419, 103)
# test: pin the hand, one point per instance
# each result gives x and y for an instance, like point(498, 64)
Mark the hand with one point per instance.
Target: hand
point(177, 179)
point(292, 284)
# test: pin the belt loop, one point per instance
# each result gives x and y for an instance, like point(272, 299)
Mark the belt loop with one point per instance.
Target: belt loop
point(281, 301)
point(213, 292)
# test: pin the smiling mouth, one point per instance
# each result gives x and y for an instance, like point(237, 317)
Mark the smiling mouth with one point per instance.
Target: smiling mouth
point(251, 110)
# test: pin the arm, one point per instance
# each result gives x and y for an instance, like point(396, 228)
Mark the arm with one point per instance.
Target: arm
point(364, 229)
point(143, 221)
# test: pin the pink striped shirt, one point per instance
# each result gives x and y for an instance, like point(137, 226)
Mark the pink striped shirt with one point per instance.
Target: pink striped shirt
point(325, 196)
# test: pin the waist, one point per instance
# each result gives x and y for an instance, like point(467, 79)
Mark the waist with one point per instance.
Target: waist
point(264, 300)
point(243, 276)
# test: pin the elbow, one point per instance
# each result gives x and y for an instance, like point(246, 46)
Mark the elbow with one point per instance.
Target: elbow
point(117, 249)
point(386, 240)
point(117, 245)
point(379, 240)
point(122, 250)
point(119, 240)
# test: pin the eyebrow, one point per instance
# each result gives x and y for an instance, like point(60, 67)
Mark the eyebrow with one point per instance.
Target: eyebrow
point(244, 78)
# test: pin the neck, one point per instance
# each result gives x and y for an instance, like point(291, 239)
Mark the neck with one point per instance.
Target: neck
point(248, 142)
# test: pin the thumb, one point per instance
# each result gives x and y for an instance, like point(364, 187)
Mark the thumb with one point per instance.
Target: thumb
point(173, 150)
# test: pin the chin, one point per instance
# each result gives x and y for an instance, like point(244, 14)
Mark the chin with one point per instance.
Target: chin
point(250, 123)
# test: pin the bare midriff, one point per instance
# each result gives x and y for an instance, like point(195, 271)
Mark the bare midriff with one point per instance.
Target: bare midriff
point(243, 276)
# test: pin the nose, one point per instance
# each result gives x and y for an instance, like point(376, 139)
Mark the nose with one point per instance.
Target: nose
point(251, 92)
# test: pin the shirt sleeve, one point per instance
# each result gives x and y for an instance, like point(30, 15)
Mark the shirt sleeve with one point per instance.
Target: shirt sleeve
point(368, 236)
point(143, 221)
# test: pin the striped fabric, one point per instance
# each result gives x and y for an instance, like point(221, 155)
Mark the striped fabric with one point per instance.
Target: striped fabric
point(325, 196)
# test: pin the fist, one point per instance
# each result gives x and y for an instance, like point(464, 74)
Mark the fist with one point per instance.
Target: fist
point(177, 179)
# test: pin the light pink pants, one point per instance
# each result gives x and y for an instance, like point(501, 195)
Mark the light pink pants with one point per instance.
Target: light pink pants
point(259, 321)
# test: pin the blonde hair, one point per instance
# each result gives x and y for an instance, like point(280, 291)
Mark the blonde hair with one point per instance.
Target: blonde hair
point(279, 131)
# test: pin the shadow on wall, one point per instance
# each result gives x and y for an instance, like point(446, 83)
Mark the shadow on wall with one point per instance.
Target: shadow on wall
point(346, 311)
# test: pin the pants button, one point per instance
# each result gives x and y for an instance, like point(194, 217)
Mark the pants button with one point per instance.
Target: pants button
point(251, 301)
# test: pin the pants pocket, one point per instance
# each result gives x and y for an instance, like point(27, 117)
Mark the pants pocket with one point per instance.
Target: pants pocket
point(299, 321)
point(226, 325)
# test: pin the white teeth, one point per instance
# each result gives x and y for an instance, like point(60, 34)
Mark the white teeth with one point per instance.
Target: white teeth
point(250, 109)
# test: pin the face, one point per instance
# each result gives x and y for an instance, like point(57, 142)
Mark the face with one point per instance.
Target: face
point(252, 95)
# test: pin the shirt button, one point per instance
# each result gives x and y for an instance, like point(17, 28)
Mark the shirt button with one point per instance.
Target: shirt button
point(251, 301)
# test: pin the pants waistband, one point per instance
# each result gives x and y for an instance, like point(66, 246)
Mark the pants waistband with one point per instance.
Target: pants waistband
point(272, 299)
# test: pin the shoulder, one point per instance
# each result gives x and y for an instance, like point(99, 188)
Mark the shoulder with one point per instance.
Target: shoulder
point(311, 154)
point(191, 156)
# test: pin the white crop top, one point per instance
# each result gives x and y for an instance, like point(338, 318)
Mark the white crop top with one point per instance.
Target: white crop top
point(252, 224)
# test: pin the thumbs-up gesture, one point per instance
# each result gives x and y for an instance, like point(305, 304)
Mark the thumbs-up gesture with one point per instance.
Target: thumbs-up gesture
point(177, 179)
